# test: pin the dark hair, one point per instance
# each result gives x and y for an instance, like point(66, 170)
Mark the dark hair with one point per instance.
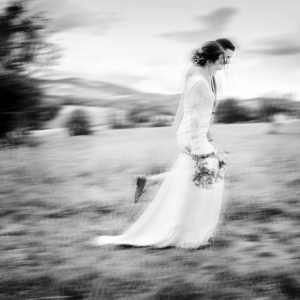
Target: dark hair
point(210, 51)
point(226, 44)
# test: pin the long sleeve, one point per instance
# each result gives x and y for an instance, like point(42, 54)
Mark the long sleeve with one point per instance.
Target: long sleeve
point(200, 107)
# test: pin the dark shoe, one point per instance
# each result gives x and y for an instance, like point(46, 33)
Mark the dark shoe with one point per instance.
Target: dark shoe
point(140, 184)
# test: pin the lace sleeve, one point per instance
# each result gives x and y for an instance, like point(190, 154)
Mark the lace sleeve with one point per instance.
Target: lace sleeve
point(200, 109)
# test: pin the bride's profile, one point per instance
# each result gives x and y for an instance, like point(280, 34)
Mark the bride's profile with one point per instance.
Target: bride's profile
point(185, 213)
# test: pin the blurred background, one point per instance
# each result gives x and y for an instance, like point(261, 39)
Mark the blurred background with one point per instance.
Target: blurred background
point(124, 62)
point(82, 83)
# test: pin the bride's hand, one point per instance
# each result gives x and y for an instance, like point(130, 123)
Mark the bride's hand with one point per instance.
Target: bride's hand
point(196, 157)
point(188, 148)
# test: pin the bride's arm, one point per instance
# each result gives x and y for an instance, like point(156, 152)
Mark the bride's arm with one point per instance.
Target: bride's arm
point(200, 111)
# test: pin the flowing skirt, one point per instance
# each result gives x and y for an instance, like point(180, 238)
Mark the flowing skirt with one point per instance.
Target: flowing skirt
point(181, 214)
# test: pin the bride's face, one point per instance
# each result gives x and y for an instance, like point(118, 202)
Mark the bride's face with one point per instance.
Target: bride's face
point(217, 65)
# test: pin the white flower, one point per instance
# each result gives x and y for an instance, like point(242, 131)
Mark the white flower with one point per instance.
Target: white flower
point(212, 163)
point(210, 170)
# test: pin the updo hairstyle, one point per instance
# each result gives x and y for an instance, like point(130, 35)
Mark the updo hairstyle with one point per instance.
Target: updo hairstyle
point(210, 51)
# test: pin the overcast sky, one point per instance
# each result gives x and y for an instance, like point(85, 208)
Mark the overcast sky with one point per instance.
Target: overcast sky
point(147, 44)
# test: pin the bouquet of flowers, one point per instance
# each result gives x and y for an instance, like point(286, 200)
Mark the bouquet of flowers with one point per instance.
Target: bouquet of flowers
point(210, 169)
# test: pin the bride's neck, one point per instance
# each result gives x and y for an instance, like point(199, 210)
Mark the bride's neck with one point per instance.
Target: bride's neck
point(203, 71)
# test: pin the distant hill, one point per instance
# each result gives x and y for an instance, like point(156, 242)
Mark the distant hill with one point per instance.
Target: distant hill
point(97, 115)
point(77, 91)
point(103, 101)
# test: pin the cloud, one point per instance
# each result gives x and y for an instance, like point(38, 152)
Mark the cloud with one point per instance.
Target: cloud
point(218, 18)
point(65, 15)
point(280, 45)
point(279, 50)
point(213, 25)
point(98, 23)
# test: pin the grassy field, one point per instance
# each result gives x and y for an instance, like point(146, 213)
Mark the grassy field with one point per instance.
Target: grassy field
point(56, 197)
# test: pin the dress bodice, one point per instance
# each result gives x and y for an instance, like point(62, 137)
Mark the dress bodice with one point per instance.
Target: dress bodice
point(198, 105)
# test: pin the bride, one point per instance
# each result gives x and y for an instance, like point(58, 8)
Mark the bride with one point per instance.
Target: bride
point(182, 214)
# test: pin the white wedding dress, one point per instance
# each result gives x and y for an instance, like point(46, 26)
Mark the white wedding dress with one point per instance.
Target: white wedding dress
point(181, 214)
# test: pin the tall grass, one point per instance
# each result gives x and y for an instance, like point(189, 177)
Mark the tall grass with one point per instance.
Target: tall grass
point(56, 197)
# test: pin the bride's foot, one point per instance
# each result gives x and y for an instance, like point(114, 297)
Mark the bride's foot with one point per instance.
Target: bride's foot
point(140, 185)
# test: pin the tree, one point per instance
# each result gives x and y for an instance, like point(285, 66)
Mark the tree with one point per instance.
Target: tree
point(23, 50)
point(231, 111)
point(78, 123)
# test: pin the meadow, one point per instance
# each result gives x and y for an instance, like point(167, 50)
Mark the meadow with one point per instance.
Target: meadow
point(57, 196)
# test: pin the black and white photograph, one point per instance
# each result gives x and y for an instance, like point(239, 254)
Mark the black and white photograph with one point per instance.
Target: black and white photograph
point(149, 149)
